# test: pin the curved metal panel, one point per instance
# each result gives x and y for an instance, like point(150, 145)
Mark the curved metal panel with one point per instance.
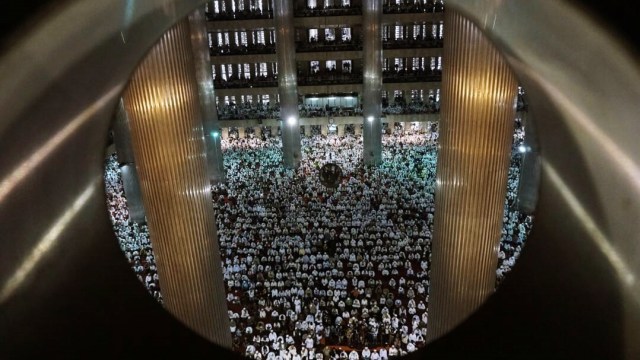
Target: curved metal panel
point(476, 132)
point(168, 143)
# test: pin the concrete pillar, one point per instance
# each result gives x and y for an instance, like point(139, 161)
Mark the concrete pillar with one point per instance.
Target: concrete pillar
point(131, 184)
point(307, 130)
point(122, 136)
point(274, 131)
point(241, 134)
point(130, 179)
point(287, 82)
point(257, 131)
point(478, 110)
point(372, 83)
point(211, 126)
point(324, 129)
point(225, 133)
point(529, 181)
point(340, 128)
point(250, 42)
point(406, 126)
point(228, 6)
point(357, 129)
point(162, 102)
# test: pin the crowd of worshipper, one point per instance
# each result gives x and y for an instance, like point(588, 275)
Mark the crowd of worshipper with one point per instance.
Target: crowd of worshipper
point(326, 273)
point(132, 237)
point(247, 110)
point(307, 110)
point(400, 106)
point(261, 111)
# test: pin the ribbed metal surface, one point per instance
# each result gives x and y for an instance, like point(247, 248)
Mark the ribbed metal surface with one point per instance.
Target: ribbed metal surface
point(199, 42)
point(476, 130)
point(287, 82)
point(372, 81)
point(167, 136)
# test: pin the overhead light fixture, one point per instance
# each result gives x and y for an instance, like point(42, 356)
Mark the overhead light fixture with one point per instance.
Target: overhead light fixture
point(370, 119)
point(291, 121)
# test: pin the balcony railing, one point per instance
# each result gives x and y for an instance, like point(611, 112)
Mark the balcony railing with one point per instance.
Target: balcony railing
point(411, 76)
point(240, 15)
point(412, 43)
point(235, 83)
point(330, 78)
point(322, 46)
point(243, 50)
point(329, 11)
point(412, 8)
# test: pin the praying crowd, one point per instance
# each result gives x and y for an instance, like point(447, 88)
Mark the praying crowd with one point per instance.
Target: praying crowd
point(324, 273)
point(260, 111)
point(133, 238)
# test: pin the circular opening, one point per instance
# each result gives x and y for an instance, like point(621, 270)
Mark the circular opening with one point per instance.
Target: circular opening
point(308, 268)
point(65, 98)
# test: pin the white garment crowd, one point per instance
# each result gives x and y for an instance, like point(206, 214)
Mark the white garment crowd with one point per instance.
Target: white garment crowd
point(318, 273)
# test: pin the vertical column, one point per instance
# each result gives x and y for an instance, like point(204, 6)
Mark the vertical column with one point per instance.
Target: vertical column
point(130, 180)
point(529, 169)
point(250, 38)
point(257, 130)
point(478, 109)
point(340, 128)
point(372, 83)
point(274, 131)
point(228, 6)
point(225, 133)
point(167, 137)
point(287, 82)
point(324, 129)
point(215, 164)
point(241, 133)
point(307, 130)
point(357, 129)
point(406, 126)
